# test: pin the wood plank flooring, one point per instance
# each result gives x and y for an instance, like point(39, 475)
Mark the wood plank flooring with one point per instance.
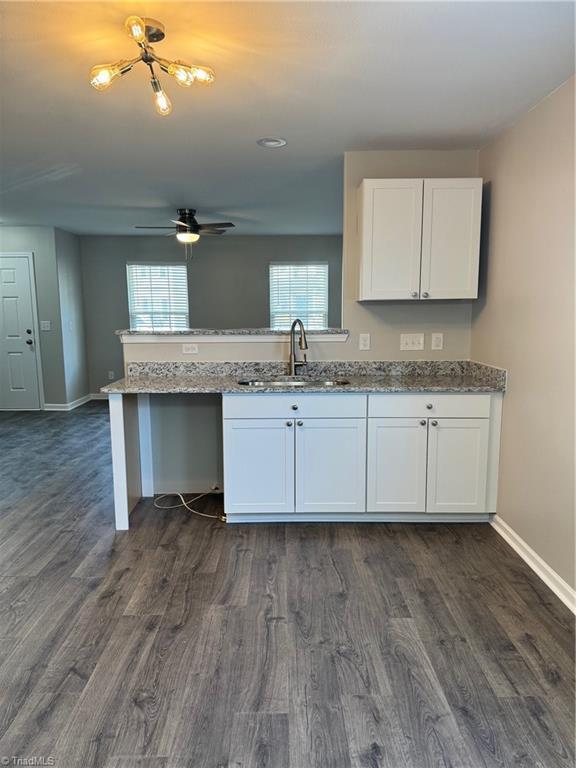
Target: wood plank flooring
point(184, 643)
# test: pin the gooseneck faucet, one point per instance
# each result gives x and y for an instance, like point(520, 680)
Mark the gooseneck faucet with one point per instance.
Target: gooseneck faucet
point(302, 343)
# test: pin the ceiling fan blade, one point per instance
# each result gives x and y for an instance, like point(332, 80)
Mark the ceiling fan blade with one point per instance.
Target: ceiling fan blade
point(212, 232)
point(217, 225)
point(140, 226)
point(181, 223)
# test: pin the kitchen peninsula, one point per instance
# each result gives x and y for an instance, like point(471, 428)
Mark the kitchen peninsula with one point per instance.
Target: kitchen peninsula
point(352, 441)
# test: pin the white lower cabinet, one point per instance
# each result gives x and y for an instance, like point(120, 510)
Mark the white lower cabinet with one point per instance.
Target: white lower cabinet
point(457, 465)
point(346, 455)
point(397, 465)
point(259, 465)
point(330, 465)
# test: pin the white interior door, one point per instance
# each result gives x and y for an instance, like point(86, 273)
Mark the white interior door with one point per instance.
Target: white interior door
point(259, 465)
point(18, 364)
point(451, 238)
point(457, 465)
point(391, 238)
point(397, 465)
point(331, 465)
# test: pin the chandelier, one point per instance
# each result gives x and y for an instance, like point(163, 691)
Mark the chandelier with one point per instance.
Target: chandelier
point(145, 31)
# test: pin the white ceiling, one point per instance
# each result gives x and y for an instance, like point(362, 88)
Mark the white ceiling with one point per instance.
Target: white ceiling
point(328, 76)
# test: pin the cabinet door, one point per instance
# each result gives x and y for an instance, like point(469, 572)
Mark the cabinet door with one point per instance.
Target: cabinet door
point(391, 227)
point(451, 238)
point(259, 465)
point(331, 465)
point(397, 465)
point(457, 465)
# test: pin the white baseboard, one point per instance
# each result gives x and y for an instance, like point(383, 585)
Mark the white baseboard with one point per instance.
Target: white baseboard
point(99, 396)
point(556, 583)
point(67, 406)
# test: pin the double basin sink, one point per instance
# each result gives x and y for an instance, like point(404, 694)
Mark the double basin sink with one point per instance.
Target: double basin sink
point(292, 381)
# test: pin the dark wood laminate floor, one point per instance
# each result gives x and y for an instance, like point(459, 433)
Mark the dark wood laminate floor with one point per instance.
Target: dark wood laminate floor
point(183, 643)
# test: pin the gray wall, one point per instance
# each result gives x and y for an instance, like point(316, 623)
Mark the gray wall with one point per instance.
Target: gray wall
point(72, 315)
point(41, 242)
point(227, 283)
point(524, 321)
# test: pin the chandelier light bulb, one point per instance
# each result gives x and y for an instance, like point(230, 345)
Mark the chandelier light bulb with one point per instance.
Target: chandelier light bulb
point(187, 237)
point(162, 103)
point(136, 28)
point(103, 75)
point(203, 75)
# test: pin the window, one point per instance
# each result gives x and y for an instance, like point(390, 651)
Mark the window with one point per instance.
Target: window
point(157, 296)
point(298, 290)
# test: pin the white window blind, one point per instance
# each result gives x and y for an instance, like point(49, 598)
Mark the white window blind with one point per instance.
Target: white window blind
point(298, 290)
point(157, 296)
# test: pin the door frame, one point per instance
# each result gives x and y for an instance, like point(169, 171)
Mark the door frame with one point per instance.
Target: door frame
point(29, 256)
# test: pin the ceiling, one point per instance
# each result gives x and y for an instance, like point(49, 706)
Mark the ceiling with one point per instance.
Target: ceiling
point(328, 76)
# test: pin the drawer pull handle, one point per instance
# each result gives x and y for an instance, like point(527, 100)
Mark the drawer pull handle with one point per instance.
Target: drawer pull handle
point(434, 423)
point(423, 423)
point(288, 423)
point(429, 406)
point(294, 407)
point(300, 423)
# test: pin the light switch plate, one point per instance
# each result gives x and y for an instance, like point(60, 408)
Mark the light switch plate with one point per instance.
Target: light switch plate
point(45, 325)
point(437, 341)
point(189, 349)
point(110, 375)
point(411, 341)
point(364, 341)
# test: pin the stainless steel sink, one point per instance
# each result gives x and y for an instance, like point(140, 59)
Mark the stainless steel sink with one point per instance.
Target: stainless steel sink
point(293, 382)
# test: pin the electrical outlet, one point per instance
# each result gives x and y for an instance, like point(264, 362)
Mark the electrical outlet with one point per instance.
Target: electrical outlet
point(189, 349)
point(45, 325)
point(111, 376)
point(364, 341)
point(411, 341)
point(437, 341)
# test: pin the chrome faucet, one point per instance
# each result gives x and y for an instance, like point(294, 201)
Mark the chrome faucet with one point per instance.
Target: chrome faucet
point(302, 343)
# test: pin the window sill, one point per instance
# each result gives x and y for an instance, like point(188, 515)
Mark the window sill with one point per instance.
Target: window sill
point(226, 336)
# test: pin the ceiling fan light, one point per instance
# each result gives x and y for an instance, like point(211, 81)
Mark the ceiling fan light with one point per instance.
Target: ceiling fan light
point(136, 28)
point(187, 237)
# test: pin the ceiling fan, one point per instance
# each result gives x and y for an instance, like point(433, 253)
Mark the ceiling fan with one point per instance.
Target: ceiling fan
point(188, 230)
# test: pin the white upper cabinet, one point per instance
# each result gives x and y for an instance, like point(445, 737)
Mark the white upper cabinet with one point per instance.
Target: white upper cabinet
point(391, 235)
point(420, 238)
point(451, 238)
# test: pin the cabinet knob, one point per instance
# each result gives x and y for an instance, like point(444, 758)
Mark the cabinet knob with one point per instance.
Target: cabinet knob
point(294, 407)
point(300, 423)
point(423, 423)
point(29, 342)
point(414, 294)
point(425, 295)
point(288, 423)
point(429, 406)
point(434, 423)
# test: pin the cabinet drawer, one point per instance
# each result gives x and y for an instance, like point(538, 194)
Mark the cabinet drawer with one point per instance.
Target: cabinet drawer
point(282, 405)
point(444, 405)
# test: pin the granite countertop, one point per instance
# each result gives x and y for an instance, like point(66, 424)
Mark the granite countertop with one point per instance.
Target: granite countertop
point(228, 332)
point(364, 377)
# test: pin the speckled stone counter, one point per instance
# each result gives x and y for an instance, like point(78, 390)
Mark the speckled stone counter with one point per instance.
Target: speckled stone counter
point(363, 377)
point(229, 332)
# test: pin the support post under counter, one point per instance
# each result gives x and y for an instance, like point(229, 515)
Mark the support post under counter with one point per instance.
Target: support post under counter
point(132, 476)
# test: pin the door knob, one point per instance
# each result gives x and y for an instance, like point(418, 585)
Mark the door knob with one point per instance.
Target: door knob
point(423, 423)
point(288, 423)
point(300, 423)
point(29, 342)
point(434, 423)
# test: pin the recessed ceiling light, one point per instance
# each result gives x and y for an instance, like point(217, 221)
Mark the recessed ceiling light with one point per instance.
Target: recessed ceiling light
point(271, 143)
